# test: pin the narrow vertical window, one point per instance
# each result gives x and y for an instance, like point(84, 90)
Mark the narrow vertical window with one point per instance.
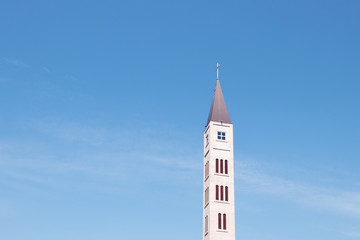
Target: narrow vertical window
point(207, 169)
point(224, 221)
point(206, 195)
point(226, 166)
point(226, 194)
point(222, 193)
point(217, 192)
point(217, 166)
point(206, 224)
point(221, 166)
point(219, 221)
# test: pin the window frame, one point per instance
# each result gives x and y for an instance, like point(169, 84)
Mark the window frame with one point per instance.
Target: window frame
point(226, 193)
point(219, 221)
point(217, 166)
point(226, 167)
point(221, 135)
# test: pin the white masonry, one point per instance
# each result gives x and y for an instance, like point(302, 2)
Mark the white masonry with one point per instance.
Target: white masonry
point(219, 204)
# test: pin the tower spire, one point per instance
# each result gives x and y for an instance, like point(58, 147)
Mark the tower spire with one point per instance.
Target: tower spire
point(218, 111)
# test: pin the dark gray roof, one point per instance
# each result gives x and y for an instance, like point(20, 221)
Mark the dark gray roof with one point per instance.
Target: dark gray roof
point(218, 111)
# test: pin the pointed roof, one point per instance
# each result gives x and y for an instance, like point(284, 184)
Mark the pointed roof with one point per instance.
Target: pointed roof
point(218, 111)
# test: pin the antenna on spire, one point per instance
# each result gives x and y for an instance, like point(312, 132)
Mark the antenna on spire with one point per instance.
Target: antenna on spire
point(217, 71)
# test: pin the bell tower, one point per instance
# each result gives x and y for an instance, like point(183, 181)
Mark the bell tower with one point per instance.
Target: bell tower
point(218, 205)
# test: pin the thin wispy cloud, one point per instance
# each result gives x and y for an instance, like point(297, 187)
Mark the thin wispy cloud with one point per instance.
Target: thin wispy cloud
point(110, 158)
point(69, 148)
point(73, 132)
point(177, 162)
point(71, 77)
point(323, 198)
point(46, 70)
point(14, 62)
point(105, 161)
point(61, 172)
point(352, 234)
point(4, 79)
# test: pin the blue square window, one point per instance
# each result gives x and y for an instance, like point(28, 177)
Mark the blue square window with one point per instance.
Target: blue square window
point(221, 135)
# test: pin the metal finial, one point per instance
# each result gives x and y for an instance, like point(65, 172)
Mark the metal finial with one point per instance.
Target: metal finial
point(217, 71)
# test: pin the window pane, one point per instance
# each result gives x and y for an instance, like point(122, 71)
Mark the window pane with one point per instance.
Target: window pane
point(206, 168)
point(226, 166)
point(217, 192)
point(224, 221)
point(217, 166)
point(226, 194)
point(221, 166)
point(205, 198)
point(219, 221)
point(223, 134)
point(206, 224)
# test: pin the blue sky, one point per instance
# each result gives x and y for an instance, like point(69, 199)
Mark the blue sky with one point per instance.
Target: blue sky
point(103, 107)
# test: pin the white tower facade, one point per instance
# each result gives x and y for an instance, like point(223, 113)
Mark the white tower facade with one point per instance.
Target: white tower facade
point(219, 205)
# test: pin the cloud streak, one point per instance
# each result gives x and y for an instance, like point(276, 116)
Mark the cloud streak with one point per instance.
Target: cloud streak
point(14, 62)
point(323, 198)
point(107, 157)
point(353, 234)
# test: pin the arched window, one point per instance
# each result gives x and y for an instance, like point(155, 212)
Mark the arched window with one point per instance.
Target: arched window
point(219, 221)
point(224, 221)
point(226, 166)
point(222, 193)
point(217, 192)
point(217, 166)
point(221, 166)
point(226, 194)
